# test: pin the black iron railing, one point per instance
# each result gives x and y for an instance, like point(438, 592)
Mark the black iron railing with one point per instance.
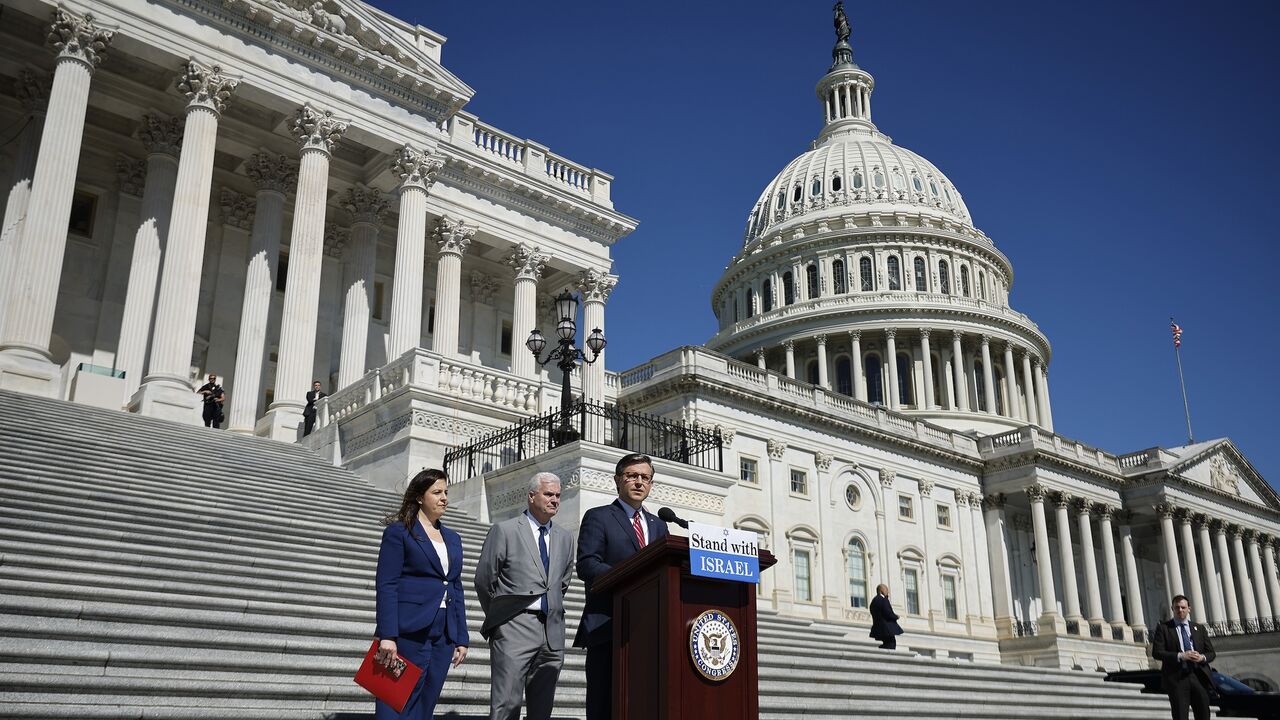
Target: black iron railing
point(1024, 628)
point(1243, 627)
point(1117, 632)
point(1073, 627)
point(591, 422)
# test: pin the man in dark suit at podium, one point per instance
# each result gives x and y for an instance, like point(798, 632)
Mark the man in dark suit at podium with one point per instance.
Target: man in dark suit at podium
point(608, 535)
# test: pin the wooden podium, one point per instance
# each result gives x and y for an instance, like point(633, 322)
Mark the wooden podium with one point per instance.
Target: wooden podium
point(655, 602)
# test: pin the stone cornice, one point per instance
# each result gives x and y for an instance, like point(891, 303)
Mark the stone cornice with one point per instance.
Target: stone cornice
point(1166, 479)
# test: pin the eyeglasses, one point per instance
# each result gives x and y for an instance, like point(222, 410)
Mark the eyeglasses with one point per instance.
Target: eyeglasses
point(634, 476)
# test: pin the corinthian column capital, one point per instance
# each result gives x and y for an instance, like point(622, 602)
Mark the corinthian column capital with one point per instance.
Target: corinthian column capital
point(271, 172)
point(452, 236)
point(366, 205)
point(317, 129)
point(160, 134)
point(237, 209)
point(131, 175)
point(527, 261)
point(595, 286)
point(33, 92)
point(415, 168)
point(1037, 493)
point(77, 37)
point(335, 240)
point(206, 86)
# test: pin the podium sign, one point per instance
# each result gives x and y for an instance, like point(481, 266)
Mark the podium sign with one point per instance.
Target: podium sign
point(724, 553)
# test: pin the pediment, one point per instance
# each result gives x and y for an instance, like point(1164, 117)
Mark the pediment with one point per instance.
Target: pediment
point(1223, 468)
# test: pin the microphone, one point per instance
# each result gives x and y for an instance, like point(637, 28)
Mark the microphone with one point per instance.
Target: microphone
point(667, 515)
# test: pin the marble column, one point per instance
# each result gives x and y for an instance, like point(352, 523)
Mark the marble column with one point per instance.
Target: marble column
point(855, 365)
point(891, 359)
point(824, 379)
point(926, 357)
point(25, 362)
point(166, 389)
point(1067, 559)
point(957, 365)
point(318, 132)
point(162, 137)
point(33, 93)
point(237, 215)
point(526, 262)
point(1084, 510)
point(417, 172)
point(1273, 578)
point(1029, 384)
point(988, 376)
point(981, 553)
point(452, 237)
point(1198, 610)
point(274, 176)
point(1010, 385)
point(760, 363)
point(1255, 571)
point(789, 348)
point(595, 288)
point(1172, 569)
point(1042, 396)
point(1228, 576)
point(1110, 568)
point(366, 207)
point(1213, 589)
point(1044, 563)
point(1131, 581)
point(1248, 606)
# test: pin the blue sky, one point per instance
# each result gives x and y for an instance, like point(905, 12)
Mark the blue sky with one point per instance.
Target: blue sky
point(1121, 154)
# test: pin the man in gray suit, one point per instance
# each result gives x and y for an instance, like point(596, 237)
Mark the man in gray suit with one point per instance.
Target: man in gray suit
point(523, 573)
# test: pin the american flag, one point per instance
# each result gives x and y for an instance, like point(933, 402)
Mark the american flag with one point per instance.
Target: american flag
point(1177, 334)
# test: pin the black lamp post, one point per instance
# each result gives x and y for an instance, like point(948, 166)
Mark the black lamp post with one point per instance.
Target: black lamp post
point(568, 356)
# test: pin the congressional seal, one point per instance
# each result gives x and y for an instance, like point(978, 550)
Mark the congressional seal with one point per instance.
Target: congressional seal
point(714, 645)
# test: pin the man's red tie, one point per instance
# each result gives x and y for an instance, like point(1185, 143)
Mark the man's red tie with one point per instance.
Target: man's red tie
point(635, 523)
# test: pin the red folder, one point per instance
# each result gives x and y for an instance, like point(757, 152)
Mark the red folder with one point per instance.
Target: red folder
point(383, 683)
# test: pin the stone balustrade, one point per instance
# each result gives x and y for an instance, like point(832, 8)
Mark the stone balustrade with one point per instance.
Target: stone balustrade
point(1029, 437)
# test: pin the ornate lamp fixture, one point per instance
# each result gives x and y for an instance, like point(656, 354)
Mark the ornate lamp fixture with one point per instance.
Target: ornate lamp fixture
point(568, 356)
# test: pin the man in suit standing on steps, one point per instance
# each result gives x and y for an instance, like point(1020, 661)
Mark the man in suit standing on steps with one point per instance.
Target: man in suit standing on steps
point(884, 621)
point(609, 535)
point(1184, 651)
point(309, 411)
point(524, 571)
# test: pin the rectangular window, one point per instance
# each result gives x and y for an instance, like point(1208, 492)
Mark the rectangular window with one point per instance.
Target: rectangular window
point(944, 516)
point(505, 341)
point(748, 471)
point(949, 597)
point(911, 583)
point(379, 297)
point(84, 208)
point(799, 482)
point(431, 319)
point(906, 508)
point(282, 271)
point(804, 593)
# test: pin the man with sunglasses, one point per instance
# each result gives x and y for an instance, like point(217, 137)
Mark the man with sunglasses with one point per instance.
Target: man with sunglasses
point(608, 535)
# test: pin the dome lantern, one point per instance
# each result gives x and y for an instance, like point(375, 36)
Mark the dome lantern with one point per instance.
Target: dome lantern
point(845, 90)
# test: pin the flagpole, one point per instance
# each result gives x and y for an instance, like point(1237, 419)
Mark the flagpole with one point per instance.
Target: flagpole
point(1186, 408)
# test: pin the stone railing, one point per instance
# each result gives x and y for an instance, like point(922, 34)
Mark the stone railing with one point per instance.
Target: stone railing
point(1141, 460)
point(430, 372)
point(529, 158)
point(873, 300)
point(716, 368)
point(1035, 437)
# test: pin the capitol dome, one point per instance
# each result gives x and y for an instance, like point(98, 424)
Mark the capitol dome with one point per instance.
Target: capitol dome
point(862, 272)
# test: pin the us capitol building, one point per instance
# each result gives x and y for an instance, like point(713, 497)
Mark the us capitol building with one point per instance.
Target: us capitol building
point(282, 190)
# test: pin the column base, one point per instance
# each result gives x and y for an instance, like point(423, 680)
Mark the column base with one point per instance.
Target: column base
point(1051, 623)
point(167, 397)
point(283, 422)
point(30, 370)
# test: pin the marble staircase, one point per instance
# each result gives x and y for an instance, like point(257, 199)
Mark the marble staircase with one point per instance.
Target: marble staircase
point(155, 570)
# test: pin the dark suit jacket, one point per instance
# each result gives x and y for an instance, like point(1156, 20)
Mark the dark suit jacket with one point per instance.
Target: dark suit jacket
point(605, 538)
point(313, 397)
point(411, 582)
point(884, 621)
point(1165, 648)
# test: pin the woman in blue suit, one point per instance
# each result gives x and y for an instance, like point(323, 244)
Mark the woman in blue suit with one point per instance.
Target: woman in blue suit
point(420, 611)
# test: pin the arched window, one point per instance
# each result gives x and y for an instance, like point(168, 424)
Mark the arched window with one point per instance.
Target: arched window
point(980, 383)
point(811, 372)
point(1000, 387)
point(857, 179)
point(982, 284)
point(895, 273)
point(878, 178)
point(915, 183)
point(780, 205)
point(875, 381)
point(964, 280)
point(905, 394)
point(796, 194)
point(898, 181)
point(937, 378)
point(735, 310)
point(766, 293)
point(922, 282)
point(933, 187)
point(788, 288)
point(836, 183)
point(856, 566)
point(844, 376)
point(815, 189)
point(864, 271)
point(751, 303)
point(944, 277)
point(838, 277)
point(811, 280)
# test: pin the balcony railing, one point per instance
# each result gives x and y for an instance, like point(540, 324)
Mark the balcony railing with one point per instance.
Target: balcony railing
point(592, 422)
point(1243, 627)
